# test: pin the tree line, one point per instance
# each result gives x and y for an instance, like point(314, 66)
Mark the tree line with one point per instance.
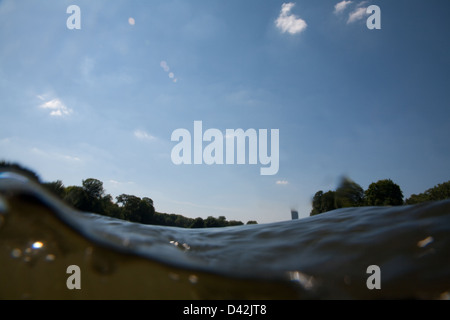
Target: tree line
point(381, 193)
point(92, 197)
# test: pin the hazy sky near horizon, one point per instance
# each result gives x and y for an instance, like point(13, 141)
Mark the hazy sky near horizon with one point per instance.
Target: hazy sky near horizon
point(102, 101)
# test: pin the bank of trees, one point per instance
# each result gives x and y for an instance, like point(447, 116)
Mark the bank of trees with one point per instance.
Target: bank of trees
point(92, 197)
point(381, 193)
point(438, 192)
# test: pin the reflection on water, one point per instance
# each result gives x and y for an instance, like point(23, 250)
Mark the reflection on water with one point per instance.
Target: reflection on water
point(325, 256)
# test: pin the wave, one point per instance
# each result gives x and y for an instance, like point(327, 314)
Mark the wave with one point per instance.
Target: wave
point(322, 257)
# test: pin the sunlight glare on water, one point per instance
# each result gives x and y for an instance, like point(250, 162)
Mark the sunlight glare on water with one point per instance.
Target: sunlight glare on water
point(37, 245)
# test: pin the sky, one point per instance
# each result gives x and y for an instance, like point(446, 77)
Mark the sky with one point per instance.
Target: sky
point(99, 92)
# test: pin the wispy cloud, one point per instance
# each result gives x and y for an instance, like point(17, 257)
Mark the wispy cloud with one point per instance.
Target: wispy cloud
point(142, 135)
point(341, 6)
point(357, 14)
point(118, 184)
point(288, 22)
point(282, 182)
point(55, 155)
point(56, 107)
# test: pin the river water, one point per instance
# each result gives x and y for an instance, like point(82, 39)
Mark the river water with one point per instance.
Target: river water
point(322, 257)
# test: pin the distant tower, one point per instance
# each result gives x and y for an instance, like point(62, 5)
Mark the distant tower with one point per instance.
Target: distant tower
point(294, 214)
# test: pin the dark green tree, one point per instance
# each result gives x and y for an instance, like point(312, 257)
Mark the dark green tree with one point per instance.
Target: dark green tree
point(146, 210)
point(317, 203)
point(78, 198)
point(94, 191)
point(438, 192)
point(222, 221)
point(211, 222)
point(197, 223)
point(109, 208)
point(136, 209)
point(233, 223)
point(384, 193)
point(349, 194)
point(328, 201)
point(130, 207)
point(323, 202)
point(56, 187)
point(418, 198)
point(94, 188)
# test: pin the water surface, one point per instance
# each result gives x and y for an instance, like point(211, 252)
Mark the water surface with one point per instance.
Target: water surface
point(320, 257)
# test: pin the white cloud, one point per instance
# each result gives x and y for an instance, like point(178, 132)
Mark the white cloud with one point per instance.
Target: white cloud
point(55, 155)
point(142, 135)
point(356, 15)
point(341, 6)
point(114, 183)
point(282, 182)
point(70, 158)
point(56, 107)
point(288, 22)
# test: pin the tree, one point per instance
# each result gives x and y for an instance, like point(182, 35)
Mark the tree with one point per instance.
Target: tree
point(94, 188)
point(94, 191)
point(211, 222)
point(197, 223)
point(323, 202)
point(77, 198)
point(252, 222)
point(91, 197)
point(349, 194)
point(384, 193)
point(439, 192)
point(222, 221)
point(317, 203)
point(130, 207)
point(328, 201)
point(418, 198)
point(146, 210)
point(56, 187)
point(109, 208)
point(136, 209)
point(148, 201)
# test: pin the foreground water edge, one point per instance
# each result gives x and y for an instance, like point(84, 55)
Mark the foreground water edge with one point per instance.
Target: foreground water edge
point(321, 257)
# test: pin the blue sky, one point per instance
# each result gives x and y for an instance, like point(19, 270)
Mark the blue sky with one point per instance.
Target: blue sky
point(103, 101)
